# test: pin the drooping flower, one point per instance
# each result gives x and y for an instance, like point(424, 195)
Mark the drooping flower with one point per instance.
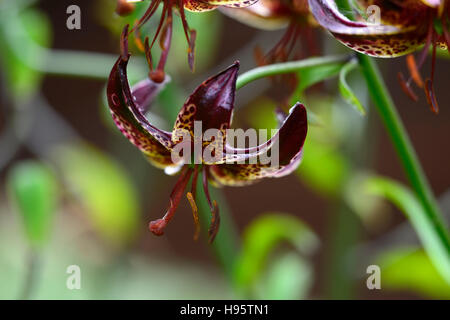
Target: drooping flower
point(164, 30)
point(211, 105)
point(294, 15)
point(405, 27)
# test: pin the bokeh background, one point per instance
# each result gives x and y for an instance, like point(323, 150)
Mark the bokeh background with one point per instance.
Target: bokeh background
point(73, 191)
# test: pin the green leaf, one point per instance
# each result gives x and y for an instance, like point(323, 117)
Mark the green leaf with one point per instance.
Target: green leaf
point(371, 209)
point(33, 191)
point(346, 92)
point(411, 269)
point(408, 203)
point(104, 190)
point(262, 237)
point(23, 34)
point(323, 168)
point(260, 114)
point(289, 277)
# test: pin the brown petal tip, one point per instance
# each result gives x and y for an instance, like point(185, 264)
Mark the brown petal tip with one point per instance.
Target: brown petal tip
point(124, 43)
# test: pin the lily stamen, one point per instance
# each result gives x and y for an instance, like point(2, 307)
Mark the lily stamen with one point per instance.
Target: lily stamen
point(194, 207)
point(157, 226)
point(191, 196)
point(215, 217)
point(414, 70)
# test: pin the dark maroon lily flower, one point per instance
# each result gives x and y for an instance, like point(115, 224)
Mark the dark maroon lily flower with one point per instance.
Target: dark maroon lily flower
point(294, 15)
point(164, 30)
point(212, 105)
point(405, 26)
point(298, 42)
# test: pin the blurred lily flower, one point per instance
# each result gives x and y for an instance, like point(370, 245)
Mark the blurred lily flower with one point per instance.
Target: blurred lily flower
point(277, 14)
point(164, 30)
point(212, 105)
point(404, 27)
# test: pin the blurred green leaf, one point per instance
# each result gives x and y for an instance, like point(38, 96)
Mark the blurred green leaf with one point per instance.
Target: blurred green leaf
point(372, 210)
point(261, 114)
point(104, 189)
point(346, 92)
point(32, 189)
point(312, 75)
point(23, 33)
point(411, 269)
point(408, 203)
point(261, 237)
point(323, 168)
point(289, 277)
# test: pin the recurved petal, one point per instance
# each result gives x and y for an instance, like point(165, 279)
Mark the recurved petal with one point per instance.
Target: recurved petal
point(260, 15)
point(230, 3)
point(127, 109)
point(396, 12)
point(378, 40)
point(211, 104)
point(289, 140)
point(145, 91)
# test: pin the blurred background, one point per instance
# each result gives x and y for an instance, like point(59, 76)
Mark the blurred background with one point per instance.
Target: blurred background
point(74, 191)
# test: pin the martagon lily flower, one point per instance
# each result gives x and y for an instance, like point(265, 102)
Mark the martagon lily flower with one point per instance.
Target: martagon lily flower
point(212, 105)
point(406, 26)
point(164, 30)
point(294, 15)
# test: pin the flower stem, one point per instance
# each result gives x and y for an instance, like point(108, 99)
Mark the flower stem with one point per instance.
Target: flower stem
point(402, 143)
point(287, 67)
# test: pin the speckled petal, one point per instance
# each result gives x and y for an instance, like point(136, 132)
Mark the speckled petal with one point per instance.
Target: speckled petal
point(290, 138)
point(234, 3)
point(198, 6)
point(259, 16)
point(211, 103)
point(128, 110)
point(375, 40)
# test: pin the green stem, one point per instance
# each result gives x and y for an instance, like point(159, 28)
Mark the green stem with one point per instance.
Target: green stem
point(287, 67)
point(91, 65)
point(405, 150)
point(77, 64)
